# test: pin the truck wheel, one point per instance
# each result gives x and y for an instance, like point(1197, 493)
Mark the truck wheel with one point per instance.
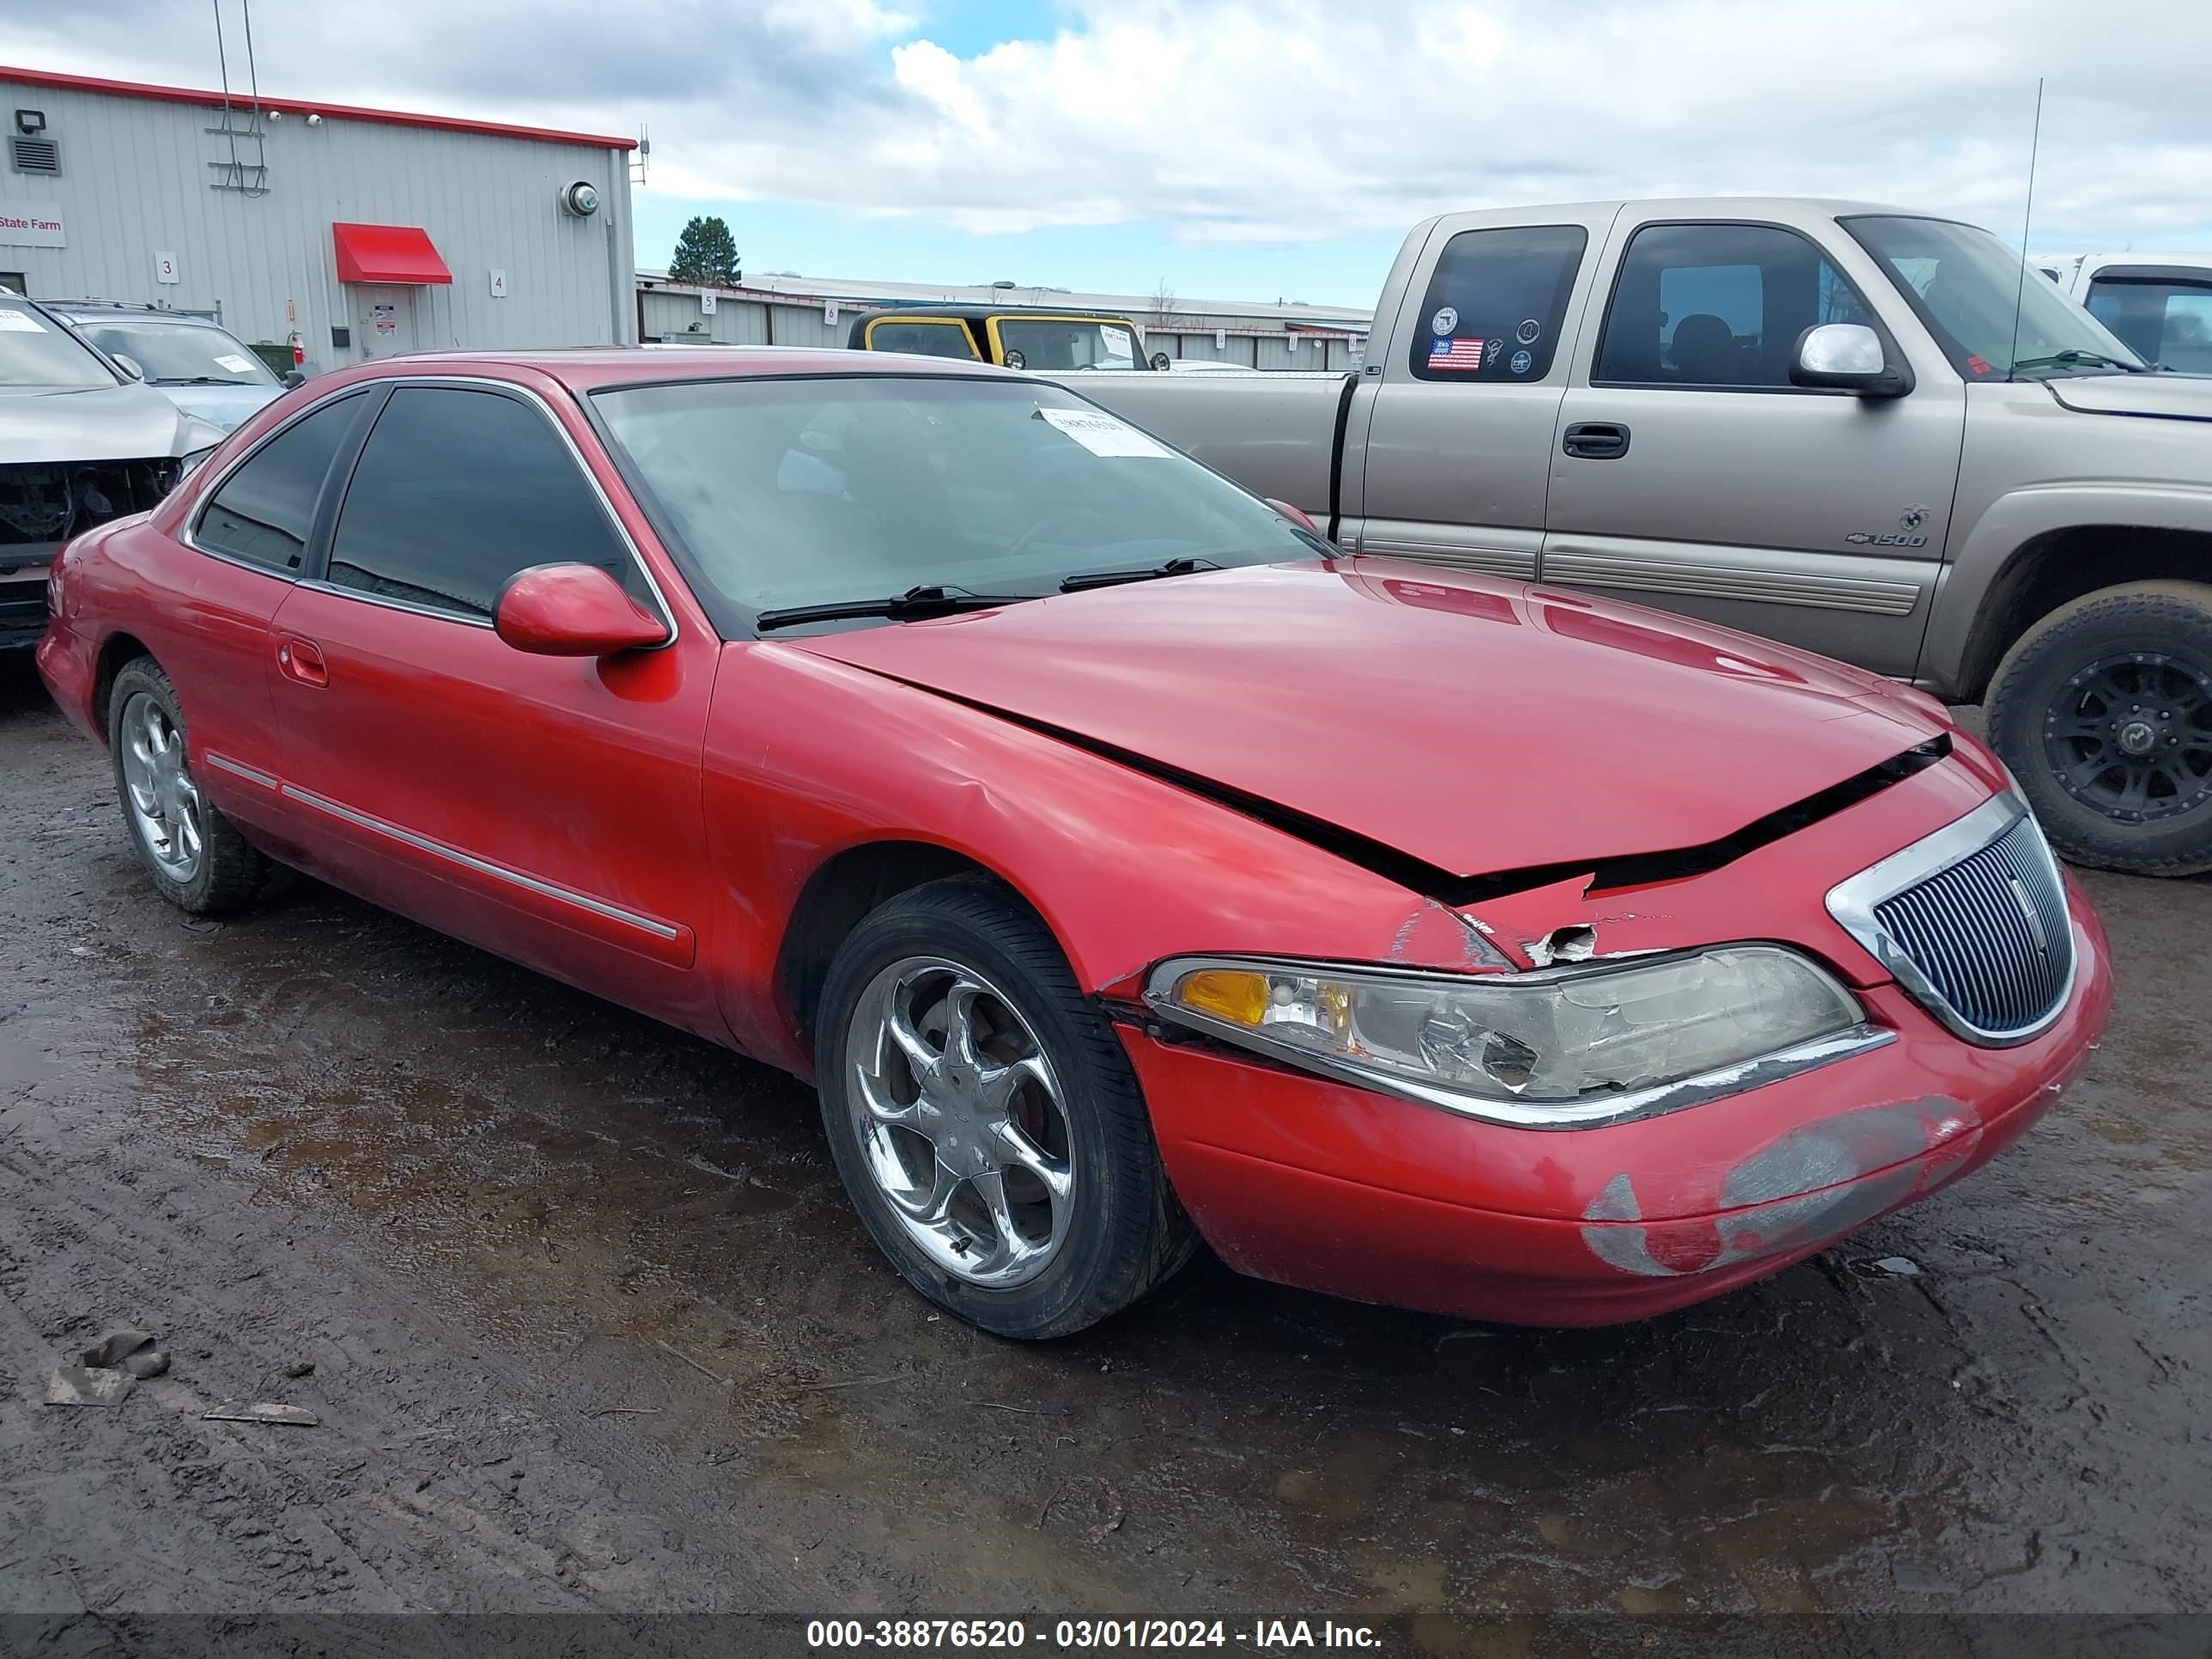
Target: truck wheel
point(2103, 712)
point(985, 1120)
point(197, 858)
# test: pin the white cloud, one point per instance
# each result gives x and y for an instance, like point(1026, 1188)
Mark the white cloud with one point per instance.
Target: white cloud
point(1285, 120)
point(832, 24)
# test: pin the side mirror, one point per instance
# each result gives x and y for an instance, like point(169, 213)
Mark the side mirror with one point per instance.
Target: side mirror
point(128, 366)
point(292, 377)
point(1847, 358)
point(573, 610)
point(1295, 516)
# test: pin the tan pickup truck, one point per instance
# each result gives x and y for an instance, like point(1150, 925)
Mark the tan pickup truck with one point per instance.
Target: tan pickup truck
point(1857, 428)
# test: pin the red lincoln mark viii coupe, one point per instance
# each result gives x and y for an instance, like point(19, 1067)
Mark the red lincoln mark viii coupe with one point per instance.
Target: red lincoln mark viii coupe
point(1125, 866)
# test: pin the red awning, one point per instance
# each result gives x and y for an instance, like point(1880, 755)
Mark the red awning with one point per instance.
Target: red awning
point(388, 253)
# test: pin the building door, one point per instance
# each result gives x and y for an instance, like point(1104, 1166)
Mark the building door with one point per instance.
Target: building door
point(384, 319)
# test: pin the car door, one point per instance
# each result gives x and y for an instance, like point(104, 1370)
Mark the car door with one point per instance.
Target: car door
point(548, 808)
point(1689, 473)
point(1459, 437)
point(251, 536)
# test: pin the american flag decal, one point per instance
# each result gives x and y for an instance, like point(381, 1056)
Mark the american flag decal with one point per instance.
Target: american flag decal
point(1455, 354)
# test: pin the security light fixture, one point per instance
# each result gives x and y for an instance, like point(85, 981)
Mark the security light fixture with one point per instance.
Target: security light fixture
point(30, 122)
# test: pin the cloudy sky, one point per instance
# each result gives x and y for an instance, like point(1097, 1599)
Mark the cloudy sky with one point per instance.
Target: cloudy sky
point(1258, 149)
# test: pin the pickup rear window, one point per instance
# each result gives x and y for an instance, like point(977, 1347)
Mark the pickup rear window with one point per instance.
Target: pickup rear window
point(1496, 303)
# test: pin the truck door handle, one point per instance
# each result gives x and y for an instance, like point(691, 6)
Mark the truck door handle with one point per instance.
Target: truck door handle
point(302, 660)
point(1596, 440)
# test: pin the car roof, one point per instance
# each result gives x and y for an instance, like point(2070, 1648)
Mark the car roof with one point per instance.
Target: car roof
point(127, 309)
point(584, 368)
point(968, 312)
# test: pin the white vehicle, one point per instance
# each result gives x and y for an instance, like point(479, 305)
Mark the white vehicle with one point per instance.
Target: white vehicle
point(82, 441)
point(2159, 303)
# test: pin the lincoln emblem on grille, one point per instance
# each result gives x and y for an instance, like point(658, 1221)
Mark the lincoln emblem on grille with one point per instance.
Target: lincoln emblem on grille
point(2027, 910)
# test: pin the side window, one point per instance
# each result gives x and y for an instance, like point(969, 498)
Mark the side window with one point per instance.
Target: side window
point(455, 491)
point(938, 339)
point(263, 511)
point(1496, 303)
point(1718, 305)
point(2168, 323)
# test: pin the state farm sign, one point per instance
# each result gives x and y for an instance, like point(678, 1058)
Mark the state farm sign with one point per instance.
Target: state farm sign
point(31, 224)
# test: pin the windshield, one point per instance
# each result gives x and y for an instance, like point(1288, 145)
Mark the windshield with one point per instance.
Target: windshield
point(177, 354)
point(35, 351)
point(1068, 342)
point(1967, 286)
point(815, 491)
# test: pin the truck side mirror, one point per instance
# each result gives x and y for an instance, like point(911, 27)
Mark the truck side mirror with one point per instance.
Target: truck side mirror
point(1847, 358)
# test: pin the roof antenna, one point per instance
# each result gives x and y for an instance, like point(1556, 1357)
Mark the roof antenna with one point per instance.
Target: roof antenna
point(2026, 218)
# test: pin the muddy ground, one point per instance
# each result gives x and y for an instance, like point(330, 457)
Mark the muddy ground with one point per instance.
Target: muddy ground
point(593, 1331)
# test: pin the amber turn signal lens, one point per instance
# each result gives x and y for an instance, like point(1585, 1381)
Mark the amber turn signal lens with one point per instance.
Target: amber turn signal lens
point(1226, 994)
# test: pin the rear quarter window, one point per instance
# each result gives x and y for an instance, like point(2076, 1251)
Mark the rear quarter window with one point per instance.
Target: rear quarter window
point(1496, 303)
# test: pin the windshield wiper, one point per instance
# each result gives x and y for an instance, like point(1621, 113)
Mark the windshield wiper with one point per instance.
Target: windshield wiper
point(195, 380)
point(1114, 578)
point(2074, 357)
point(928, 599)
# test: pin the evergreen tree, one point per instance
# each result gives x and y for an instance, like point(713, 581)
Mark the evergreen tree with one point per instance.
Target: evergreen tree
point(706, 255)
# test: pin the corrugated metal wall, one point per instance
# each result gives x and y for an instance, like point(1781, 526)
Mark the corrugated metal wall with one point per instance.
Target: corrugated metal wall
point(135, 179)
point(674, 315)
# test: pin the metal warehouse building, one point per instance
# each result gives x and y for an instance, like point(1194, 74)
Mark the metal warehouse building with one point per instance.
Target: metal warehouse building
point(349, 233)
point(787, 310)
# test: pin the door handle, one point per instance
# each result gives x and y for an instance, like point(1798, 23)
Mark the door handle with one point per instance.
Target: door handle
point(302, 660)
point(1596, 440)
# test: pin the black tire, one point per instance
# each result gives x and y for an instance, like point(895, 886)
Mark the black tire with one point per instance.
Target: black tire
point(229, 871)
point(1126, 1233)
point(2163, 629)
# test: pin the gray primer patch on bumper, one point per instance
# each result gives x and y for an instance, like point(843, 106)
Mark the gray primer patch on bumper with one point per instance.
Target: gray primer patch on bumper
point(1811, 1184)
point(1844, 1148)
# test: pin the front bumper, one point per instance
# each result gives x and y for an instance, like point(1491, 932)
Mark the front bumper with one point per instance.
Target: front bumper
point(1296, 1178)
point(23, 606)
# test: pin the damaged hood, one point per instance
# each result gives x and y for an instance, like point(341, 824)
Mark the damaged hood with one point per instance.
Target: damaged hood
point(2166, 397)
point(1477, 726)
point(130, 422)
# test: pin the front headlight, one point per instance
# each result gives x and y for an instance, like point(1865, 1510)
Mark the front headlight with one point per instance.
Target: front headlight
point(1556, 1049)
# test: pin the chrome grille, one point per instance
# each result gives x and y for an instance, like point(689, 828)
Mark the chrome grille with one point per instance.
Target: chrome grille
point(1990, 933)
point(1973, 921)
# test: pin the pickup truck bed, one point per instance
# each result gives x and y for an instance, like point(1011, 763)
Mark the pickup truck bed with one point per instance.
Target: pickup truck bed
point(1277, 434)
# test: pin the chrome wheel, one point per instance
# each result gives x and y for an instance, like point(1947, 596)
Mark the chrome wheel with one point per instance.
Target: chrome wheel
point(166, 809)
point(961, 1122)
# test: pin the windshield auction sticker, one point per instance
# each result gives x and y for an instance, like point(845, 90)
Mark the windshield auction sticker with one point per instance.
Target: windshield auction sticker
point(1101, 433)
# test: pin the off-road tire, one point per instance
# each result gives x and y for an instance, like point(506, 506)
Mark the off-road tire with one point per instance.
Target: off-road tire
point(2172, 619)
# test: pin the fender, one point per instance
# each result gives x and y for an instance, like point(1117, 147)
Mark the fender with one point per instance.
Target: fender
point(1101, 851)
point(2018, 518)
